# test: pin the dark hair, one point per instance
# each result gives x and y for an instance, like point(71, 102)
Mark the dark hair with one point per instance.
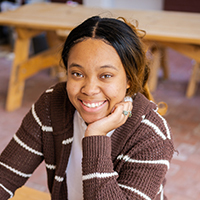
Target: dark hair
point(126, 40)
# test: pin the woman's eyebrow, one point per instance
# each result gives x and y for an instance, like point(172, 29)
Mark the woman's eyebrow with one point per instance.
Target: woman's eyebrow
point(101, 67)
point(75, 65)
point(110, 66)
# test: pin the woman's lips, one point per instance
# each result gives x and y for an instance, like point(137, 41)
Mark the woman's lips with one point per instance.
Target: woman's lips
point(92, 106)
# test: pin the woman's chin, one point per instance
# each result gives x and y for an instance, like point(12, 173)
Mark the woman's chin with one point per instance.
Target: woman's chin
point(91, 119)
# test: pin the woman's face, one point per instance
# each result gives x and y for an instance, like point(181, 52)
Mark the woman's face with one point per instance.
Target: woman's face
point(96, 79)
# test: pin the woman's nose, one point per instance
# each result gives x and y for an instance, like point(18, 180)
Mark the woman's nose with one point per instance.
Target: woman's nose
point(90, 87)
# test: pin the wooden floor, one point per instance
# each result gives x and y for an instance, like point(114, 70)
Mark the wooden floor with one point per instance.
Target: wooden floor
point(183, 178)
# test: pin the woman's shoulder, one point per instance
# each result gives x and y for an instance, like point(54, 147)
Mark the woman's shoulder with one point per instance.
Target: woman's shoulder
point(151, 133)
point(141, 107)
point(53, 93)
point(54, 106)
point(150, 123)
point(57, 90)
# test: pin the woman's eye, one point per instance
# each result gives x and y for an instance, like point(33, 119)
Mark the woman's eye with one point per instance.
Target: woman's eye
point(76, 74)
point(106, 76)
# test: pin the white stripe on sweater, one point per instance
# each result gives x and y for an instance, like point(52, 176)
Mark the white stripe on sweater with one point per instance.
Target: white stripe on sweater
point(156, 129)
point(59, 179)
point(22, 144)
point(44, 128)
point(128, 159)
point(8, 191)
point(135, 191)
point(161, 192)
point(35, 116)
point(49, 90)
point(67, 141)
point(48, 166)
point(47, 128)
point(160, 189)
point(99, 175)
point(162, 195)
point(165, 124)
point(16, 171)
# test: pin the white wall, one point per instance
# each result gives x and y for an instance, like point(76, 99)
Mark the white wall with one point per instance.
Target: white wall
point(99, 3)
point(127, 4)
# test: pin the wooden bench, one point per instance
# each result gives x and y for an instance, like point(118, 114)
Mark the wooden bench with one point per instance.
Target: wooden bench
point(26, 193)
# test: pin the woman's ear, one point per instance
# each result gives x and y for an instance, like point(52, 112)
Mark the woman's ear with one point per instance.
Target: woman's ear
point(128, 85)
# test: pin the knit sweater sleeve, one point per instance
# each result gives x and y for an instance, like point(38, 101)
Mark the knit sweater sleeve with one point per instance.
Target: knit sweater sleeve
point(138, 171)
point(24, 152)
point(99, 177)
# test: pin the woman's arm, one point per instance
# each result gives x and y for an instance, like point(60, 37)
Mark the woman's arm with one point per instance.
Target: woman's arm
point(24, 152)
point(137, 173)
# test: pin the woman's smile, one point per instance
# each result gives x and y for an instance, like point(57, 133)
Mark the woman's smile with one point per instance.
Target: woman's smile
point(93, 105)
point(96, 79)
point(92, 108)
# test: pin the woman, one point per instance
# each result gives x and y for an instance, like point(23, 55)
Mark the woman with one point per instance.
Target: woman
point(100, 135)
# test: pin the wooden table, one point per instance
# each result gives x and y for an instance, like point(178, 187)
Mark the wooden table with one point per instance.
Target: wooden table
point(26, 193)
point(180, 31)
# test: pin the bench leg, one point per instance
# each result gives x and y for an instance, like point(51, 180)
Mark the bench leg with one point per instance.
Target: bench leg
point(164, 64)
point(54, 40)
point(193, 80)
point(16, 87)
point(155, 65)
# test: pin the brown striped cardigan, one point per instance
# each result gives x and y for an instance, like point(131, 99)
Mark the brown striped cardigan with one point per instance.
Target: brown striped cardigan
point(130, 165)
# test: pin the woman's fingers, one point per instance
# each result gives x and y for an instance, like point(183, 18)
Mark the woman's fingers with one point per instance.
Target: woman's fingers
point(125, 109)
point(121, 113)
point(112, 121)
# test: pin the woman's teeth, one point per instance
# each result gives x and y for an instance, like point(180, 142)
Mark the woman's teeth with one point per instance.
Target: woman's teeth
point(93, 105)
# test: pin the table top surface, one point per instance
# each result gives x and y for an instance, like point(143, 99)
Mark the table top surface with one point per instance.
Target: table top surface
point(30, 194)
point(164, 26)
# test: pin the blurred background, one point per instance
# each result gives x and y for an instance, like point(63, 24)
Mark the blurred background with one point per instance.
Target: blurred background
point(183, 115)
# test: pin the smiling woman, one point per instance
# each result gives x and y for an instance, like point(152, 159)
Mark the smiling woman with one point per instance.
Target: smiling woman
point(95, 79)
point(99, 133)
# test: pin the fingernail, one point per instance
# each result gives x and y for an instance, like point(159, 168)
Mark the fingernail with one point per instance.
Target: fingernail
point(127, 98)
point(112, 109)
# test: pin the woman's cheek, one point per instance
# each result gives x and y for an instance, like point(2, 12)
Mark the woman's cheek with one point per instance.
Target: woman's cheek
point(71, 87)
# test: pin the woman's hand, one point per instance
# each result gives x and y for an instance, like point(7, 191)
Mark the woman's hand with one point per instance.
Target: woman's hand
point(112, 121)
